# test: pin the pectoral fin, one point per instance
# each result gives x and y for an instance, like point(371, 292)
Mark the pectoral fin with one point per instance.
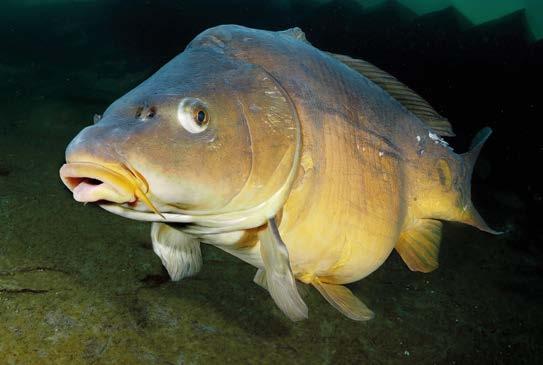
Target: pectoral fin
point(260, 278)
point(419, 245)
point(180, 253)
point(279, 278)
point(344, 300)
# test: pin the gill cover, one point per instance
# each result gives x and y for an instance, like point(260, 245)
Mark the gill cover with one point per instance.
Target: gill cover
point(274, 131)
point(275, 138)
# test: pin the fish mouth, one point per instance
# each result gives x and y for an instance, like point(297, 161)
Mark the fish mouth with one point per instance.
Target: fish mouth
point(111, 183)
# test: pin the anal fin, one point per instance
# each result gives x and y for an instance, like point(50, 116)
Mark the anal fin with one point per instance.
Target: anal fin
point(419, 245)
point(341, 298)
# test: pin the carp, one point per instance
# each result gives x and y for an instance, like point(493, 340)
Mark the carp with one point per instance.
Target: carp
point(311, 166)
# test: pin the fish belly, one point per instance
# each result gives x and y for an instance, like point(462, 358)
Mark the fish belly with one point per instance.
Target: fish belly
point(242, 244)
point(343, 219)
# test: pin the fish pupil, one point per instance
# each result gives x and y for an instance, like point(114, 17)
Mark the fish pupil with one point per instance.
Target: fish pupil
point(201, 117)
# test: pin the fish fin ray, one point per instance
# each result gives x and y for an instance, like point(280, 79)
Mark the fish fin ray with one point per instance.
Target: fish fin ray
point(402, 93)
point(260, 278)
point(470, 215)
point(475, 147)
point(341, 298)
point(180, 253)
point(419, 246)
point(280, 280)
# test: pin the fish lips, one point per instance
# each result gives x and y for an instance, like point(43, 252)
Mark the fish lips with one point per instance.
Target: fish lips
point(91, 182)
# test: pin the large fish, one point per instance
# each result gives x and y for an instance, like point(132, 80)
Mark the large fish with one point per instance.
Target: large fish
point(310, 166)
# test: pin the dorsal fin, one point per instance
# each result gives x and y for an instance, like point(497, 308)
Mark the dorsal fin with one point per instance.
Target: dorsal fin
point(402, 93)
point(295, 33)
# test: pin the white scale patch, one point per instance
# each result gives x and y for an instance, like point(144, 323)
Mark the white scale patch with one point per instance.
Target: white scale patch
point(438, 140)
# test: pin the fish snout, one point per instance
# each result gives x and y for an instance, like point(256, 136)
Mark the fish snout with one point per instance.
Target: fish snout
point(91, 182)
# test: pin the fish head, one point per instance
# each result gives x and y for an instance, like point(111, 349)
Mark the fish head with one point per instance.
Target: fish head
point(207, 136)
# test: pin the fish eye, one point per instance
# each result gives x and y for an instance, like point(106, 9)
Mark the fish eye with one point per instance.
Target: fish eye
point(192, 114)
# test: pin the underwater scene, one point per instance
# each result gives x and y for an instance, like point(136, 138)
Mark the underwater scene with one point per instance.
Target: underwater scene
point(271, 182)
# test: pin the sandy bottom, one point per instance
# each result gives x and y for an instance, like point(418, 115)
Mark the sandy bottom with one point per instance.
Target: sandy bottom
point(81, 286)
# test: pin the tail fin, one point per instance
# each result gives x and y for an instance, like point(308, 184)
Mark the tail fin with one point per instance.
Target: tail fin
point(477, 143)
point(470, 215)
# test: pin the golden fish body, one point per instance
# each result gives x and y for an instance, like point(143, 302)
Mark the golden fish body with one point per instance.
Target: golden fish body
point(308, 165)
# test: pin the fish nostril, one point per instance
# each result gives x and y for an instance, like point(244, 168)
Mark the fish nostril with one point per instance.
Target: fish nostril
point(145, 112)
point(139, 111)
point(152, 112)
